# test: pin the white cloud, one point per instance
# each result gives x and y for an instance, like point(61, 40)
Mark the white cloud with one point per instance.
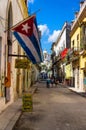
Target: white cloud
point(44, 29)
point(31, 1)
point(53, 36)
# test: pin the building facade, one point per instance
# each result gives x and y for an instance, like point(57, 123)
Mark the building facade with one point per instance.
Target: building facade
point(13, 80)
point(46, 65)
point(59, 49)
point(77, 54)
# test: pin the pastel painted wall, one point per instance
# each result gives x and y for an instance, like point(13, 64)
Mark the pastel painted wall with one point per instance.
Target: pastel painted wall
point(74, 37)
point(68, 74)
point(61, 44)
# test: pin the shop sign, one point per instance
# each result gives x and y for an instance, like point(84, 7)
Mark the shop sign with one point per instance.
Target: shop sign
point(27, 104)
point(22, 63)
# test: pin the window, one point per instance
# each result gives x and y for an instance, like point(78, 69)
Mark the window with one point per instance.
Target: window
point(73, 44)
point(78, 41)
point(26, 2)
point(77, 37)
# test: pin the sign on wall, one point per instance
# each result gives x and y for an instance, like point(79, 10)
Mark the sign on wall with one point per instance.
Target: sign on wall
point(22, 63)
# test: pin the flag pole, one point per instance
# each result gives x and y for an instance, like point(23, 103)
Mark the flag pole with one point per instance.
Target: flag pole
point(36, 12)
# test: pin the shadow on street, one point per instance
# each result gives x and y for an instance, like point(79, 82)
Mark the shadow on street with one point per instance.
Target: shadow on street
point(54, 108)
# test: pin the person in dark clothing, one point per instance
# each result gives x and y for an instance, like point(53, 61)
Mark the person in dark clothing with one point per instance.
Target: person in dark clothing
point(48, 82)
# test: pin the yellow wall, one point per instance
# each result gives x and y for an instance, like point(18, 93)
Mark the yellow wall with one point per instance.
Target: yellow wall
point(23, 8)
point(83, 59)
point(84, 20)
point(74, 37)
point(82, 62)
point(68, 71)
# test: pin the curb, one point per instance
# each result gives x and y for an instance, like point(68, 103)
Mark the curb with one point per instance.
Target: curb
point(83, 94)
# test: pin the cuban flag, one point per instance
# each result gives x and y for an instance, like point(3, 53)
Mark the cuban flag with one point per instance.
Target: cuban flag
point(27, 35)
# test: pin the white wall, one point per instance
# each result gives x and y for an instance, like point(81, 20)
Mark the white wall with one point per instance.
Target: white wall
point(61, 44)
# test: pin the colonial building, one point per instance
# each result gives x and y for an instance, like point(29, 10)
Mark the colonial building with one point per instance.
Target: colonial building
point(14, 80)
point(59, 51)
point(77, 53)
point(46, 64)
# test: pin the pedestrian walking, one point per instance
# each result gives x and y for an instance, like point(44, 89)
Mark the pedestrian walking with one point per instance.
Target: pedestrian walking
point(48, 82)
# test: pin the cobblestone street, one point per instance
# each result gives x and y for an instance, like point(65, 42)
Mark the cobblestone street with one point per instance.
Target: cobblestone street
point(55, 108)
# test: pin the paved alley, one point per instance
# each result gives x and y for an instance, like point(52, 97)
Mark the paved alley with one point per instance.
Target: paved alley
point(55, 108)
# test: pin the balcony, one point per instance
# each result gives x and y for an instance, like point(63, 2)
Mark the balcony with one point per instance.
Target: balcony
point(56, 59)
point(83, 45)
point(73, 51)
point(76, 51)
point(73, 54)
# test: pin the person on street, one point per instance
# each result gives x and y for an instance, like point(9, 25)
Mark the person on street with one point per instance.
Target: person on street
point(48, 82)
point(53, 81)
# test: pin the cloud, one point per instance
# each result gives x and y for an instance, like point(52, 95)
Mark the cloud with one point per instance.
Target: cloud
point(53, 36)
point(44, 29)
point(31, 1)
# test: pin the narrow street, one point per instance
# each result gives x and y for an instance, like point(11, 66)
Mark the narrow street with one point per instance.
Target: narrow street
point(55, 108)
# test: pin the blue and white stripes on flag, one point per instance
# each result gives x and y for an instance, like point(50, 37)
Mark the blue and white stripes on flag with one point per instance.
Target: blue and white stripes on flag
point(28, 36)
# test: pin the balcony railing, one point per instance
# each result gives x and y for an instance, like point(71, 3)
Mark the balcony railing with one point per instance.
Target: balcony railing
point(57, 58)
point(76, 50)
point(73, 53)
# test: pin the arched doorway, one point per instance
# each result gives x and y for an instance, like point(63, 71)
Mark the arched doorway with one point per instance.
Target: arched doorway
point(8, 50)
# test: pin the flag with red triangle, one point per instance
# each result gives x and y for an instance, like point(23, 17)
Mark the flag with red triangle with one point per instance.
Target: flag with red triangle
point(26, 32)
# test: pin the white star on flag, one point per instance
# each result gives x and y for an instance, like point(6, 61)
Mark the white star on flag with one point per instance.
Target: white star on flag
point(25, 27)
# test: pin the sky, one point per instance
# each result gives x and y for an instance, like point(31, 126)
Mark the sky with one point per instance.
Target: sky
point(51, 16)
